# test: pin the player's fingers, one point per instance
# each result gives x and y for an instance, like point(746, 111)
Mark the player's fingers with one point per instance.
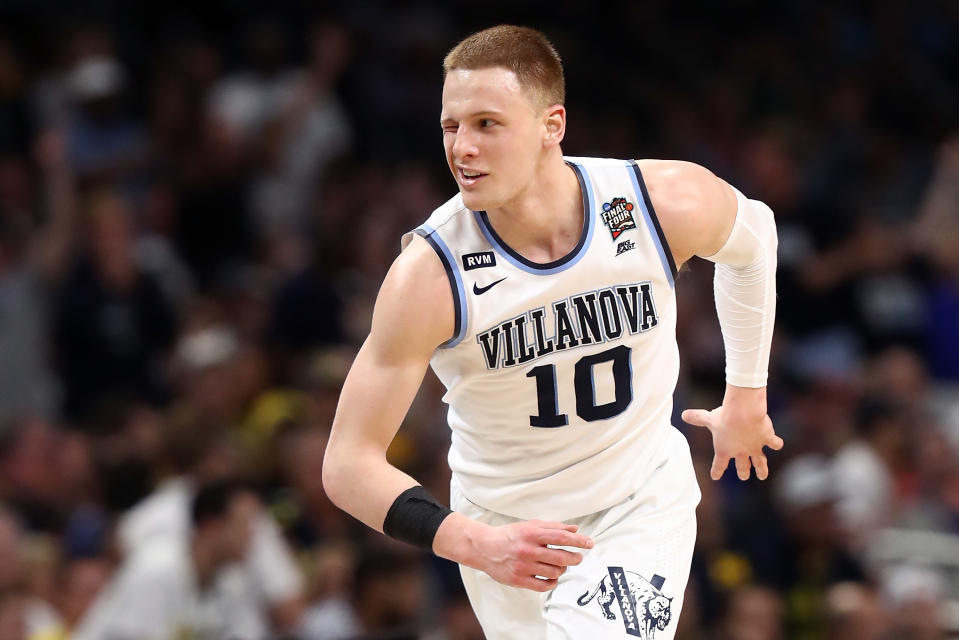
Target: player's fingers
point(743, 467)
point(563, 538)
point(762, 467)
point(697, 417)
point(556, 525)
point(549, 571)
point(536, 584)
point(775, 443)
point(559, 557)
point(719, 467)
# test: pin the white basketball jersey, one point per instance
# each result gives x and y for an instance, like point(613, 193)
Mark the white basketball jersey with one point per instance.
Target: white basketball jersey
point(560, 376)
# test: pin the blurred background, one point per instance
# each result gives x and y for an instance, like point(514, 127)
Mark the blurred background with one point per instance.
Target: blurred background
point(198, 202)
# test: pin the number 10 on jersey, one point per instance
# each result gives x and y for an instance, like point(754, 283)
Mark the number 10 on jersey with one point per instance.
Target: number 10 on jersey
point(584, 386)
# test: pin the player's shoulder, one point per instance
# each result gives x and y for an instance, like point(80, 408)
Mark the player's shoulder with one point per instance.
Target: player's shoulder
point(673, 185)
point(419, 279)
point(677, 177)
point(678, 184)
point(414, 305)
point(418, 270)
point(692, 204)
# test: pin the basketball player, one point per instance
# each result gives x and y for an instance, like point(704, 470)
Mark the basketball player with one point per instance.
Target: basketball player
point(543, 296)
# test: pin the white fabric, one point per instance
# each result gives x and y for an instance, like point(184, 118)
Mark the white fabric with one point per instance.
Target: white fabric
point(865, 487)
point(745, 291)
point(269, 565)
point(162, 514)
point(330, 619)
point(651, 533)
point(498, 456)
point(155, 596)
point(40, 620)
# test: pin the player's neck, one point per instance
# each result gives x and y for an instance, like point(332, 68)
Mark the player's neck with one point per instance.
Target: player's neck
point(544, 222)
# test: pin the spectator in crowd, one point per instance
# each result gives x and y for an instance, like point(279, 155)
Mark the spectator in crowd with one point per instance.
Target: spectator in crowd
point(315, 519)
point(188, 585)
point(104, 144)
point(914, 595)
point(389, 592)
point(865, 469)
point(29, 479)
point(753, 613)
point(329, 613)
point(813, 553)
point(854, 612)
point(113, 322)
point(33, 256)
point(23, 614)
point(199, 454)
point(936, 223)
point(82, 580)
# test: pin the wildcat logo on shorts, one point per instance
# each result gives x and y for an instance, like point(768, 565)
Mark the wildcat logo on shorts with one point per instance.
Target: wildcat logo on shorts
point(618, 216)
point(643, 606)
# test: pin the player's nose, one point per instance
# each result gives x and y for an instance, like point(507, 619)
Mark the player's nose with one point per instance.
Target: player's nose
point(464, 144)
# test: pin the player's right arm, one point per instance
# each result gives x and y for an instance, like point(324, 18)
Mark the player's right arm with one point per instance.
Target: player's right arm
point(413, 315)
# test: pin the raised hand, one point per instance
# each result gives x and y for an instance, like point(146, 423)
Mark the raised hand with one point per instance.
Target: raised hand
point(740, 429)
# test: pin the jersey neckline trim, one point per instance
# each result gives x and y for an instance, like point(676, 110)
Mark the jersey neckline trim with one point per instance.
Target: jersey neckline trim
point(567, 261)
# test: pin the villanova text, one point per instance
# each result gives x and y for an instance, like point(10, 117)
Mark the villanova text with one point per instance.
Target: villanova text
point(587, 318)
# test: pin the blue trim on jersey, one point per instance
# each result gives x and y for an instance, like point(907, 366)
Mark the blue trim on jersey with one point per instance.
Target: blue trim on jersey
point(567, 261)
point(652, 223)
point(460, 310)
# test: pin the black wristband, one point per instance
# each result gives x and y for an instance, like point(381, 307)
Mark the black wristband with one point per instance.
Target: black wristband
point(414, 517)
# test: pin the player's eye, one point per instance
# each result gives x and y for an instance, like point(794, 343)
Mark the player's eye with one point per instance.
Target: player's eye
point(450, 128)
point(485, 123)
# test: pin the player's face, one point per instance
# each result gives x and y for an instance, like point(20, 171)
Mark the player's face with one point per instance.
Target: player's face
point(493, 135)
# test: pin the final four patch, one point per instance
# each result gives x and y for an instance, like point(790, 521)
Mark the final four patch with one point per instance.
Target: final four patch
point(644, 608)
point(618, 216)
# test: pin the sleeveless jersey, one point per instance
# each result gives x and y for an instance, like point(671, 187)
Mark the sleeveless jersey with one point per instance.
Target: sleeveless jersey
point(560, 376)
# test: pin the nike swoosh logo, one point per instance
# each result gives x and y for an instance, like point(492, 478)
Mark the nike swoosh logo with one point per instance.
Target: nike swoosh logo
point(481, 290)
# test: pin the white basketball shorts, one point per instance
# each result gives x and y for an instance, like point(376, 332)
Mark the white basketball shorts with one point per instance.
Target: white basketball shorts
point(629, 585)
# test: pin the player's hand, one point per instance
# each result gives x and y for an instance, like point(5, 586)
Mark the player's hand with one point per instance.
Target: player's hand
point(740, 429)
point(515, 554)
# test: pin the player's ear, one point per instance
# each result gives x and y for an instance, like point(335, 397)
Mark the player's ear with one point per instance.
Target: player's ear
point(555, 125)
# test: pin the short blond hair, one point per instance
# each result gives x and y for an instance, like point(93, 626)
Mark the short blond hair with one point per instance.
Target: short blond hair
point(524, 51)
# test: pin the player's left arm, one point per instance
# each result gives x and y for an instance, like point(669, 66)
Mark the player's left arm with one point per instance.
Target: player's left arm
point(701, 215)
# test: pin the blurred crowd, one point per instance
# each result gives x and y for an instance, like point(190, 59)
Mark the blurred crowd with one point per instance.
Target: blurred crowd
point(198, 203)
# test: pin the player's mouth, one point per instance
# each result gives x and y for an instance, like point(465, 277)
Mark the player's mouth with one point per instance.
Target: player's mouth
point(468, 177)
